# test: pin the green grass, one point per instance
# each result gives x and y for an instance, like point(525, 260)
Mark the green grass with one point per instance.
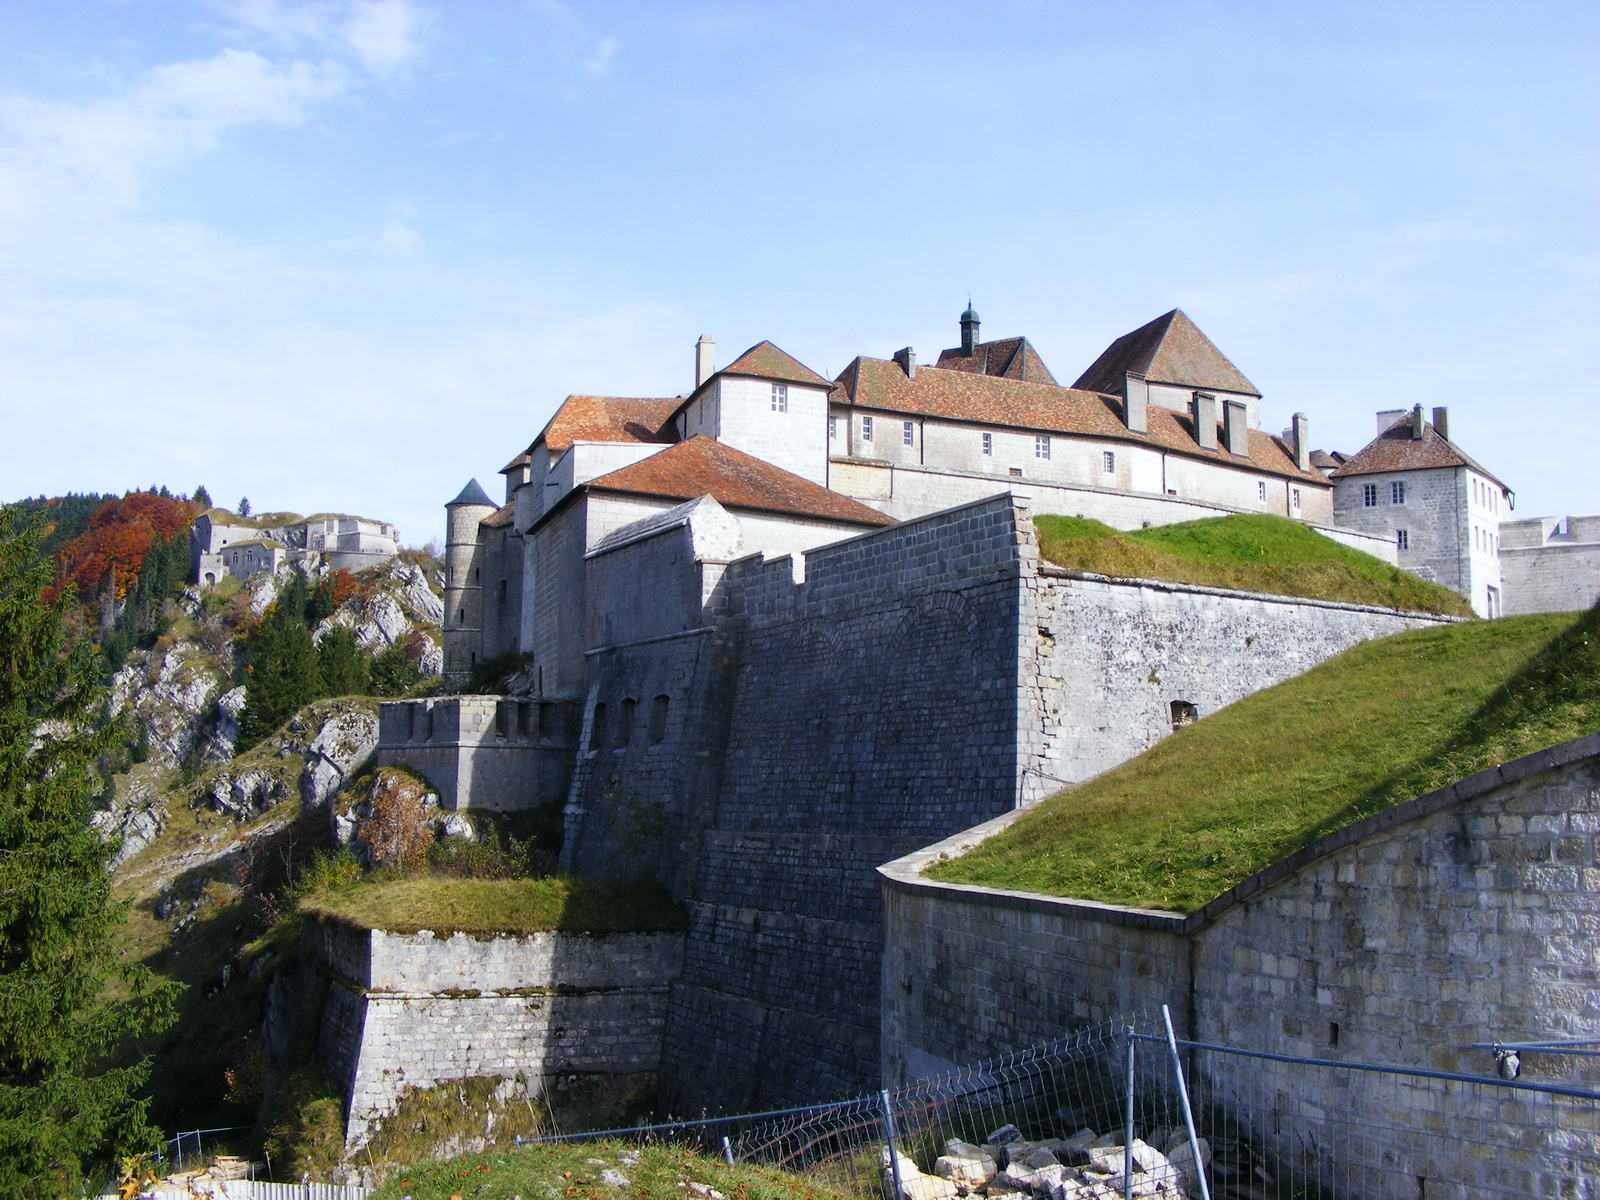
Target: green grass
point(1381, 724)
point(446, 905)
point(565, 1171)
point(1252, 553)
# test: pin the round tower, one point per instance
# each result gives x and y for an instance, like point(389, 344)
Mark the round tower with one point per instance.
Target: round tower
point(969, 331)
point(463, 590)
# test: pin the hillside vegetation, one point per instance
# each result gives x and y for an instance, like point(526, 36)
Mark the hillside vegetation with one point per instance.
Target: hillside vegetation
point(1252, 553)
point(1381, 724)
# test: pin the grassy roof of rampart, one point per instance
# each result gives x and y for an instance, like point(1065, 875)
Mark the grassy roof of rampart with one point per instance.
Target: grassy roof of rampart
point(1383, 723)
point(1248, 552)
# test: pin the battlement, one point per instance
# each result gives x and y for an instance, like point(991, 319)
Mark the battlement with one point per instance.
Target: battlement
point(495, 753)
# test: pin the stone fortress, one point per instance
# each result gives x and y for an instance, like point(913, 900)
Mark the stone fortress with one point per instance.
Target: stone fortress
point(223, 543)
point(781, 630)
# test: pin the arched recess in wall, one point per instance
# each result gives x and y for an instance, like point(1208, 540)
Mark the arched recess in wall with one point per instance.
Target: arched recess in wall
point(597, 727)
point(1183, 713)
point(658, 719)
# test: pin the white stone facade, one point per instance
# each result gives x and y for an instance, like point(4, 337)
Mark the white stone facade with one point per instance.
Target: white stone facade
point(1550, 564)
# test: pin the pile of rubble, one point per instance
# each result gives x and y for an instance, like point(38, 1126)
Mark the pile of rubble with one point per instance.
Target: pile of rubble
point(1085, 1166)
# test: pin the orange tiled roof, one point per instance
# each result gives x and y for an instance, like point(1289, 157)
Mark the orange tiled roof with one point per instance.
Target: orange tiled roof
point(1396, 450)
point(1170, 349)
point(766, 361)
point(500, 516)
point(989, 400)
point(702, 467)
point(608, 419)
point(1009, 358)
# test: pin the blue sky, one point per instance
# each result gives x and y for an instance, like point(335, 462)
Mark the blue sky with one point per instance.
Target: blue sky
point(346, 254)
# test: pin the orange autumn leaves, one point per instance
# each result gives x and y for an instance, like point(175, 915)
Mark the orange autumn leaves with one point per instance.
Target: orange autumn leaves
point(119, 536)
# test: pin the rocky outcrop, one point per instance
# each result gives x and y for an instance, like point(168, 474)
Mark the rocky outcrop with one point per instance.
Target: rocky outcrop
point(315, 755)
point(168, 694)
point(135, 817)
point(396, 602)
point(341, 749)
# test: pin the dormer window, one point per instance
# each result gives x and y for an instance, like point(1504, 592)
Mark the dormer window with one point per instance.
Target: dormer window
point(780, 397)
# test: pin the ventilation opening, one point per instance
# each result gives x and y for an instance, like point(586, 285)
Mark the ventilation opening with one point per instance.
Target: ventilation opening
point(625, 725)
point(1183, 713)
point(1333, 1033)
point(658, 719)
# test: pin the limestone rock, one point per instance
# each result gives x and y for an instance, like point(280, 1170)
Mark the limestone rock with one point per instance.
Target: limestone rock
point(344, 745)
point(262, 590)
point(454, 824)
point(971, 1171)
point(703, 1191)
point(1004, 1136)
point(613, 1178)
point(914, 1185)
point(137, 818)
point(167, 695)
point(247, 794)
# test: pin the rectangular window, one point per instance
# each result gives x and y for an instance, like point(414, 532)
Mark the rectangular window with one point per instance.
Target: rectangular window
point(988, 443)
point(780, 397)
point(1402, 539)
point(1041, 445)
point(1369, 495)
point(1397, 492)
point(908, 433)
point(1294, 497)
point(866, 429)
point(1261, 489)
point(1108, 460)
point(833, 428)
point(1014, 471)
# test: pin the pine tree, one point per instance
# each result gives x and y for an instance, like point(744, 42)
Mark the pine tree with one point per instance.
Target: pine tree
point(283, 676)
point(244, 506)
point(342, 664)
point(202, 497)
point(62, 1112)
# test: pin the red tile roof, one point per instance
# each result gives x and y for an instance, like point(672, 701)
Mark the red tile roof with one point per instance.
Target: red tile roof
point(1170, 349)
point(1009, 358)
point(702, 467)
point(520, 460)
point(988, 400)
point(608, 419)
point(1396, 450)
point(500, 516)
point(766, 361)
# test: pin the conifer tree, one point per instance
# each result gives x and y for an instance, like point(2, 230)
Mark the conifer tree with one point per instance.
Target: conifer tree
point(283, 675)
point(342, 664)
point(202, 497)
point(62, 1112)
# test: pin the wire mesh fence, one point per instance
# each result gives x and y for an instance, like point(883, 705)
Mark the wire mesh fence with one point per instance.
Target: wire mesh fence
point(1126, 1109)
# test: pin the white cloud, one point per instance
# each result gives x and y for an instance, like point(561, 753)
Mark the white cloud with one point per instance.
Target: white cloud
point(398, 238)
point(383, 35)
point(600, 61)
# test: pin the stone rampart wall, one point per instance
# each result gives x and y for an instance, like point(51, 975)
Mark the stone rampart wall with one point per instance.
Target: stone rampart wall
point(409, 1010)
point(482, 752)
point(1464, 916)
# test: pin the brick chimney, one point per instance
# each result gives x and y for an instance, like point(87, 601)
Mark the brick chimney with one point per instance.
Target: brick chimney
point(1302, 442)
point(1441, 422)
point(1238, 432)
point(705, 359)
point(907, 359)
point(1204, 409)
point(1135, 402)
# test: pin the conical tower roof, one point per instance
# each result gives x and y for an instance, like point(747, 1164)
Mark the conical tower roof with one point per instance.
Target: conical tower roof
point(472, 496)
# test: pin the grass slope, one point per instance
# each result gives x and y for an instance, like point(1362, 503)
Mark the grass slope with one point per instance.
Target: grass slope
point(445, 905)
point(1253, 553)
point(569, 1171)
point(1382, 723)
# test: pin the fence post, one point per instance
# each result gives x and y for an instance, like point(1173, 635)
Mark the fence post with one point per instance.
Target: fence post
point(1127, 1126)
point(727, 1151)
point(894, 1152)
point(1183, 1095)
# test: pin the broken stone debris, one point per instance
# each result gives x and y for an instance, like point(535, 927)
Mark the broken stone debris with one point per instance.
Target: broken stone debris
point(1086, 1166)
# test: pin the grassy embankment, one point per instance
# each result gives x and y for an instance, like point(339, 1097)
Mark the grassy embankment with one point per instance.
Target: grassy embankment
point(445, 905)
point(1380, 724)
point(1255, 553)
point(661, 1172)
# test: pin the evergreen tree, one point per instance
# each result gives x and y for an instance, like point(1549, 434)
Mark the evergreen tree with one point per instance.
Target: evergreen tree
point(283, 676)
point(322, 604)
point(202, 498)
point(244, 506)
point(342, 664)
point(392, 673)
point(62, 1112)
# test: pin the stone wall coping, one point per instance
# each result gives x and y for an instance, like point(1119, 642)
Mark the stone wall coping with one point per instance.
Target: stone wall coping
point(905, 874)
point(1016, 498)
point(1050, 571)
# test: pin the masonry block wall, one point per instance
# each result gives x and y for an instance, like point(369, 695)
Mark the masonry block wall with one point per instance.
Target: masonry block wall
point(1550, 564)
point(409, 1010)
point(482, 752)
point(1463, 916)
point(874, 706)
point(1115, 656)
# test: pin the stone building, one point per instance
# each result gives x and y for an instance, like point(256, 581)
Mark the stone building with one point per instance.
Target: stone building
point(1443, 511)
point(331, 541)
point(1550, 564)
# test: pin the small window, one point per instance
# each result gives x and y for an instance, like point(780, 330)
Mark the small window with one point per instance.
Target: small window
point(1041, 445)
point(501, 595)
point(1397, 492)
point(988, 443)
point(461, 615)
point(833, 428)
point(625, 724)
point(1402, 539)
point(1261, 489)
point(908, 433)
point(658, 719)
point(1183, 713)
point(1369, 495)
point(1294, 497)
point(866, 429)
point(780, 397)
point(1108, 460)
point(597, 727)
point(476, 572)
point(1017, 471)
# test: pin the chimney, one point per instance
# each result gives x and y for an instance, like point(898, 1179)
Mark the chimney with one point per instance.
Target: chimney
point(1204, 409)
point(1233, 421)
point(907, 359)
point(1135, 402)
point(1441, 422)
point(969, 331)
point(1302, 442)
point(705, 359)
point(1416, 423)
